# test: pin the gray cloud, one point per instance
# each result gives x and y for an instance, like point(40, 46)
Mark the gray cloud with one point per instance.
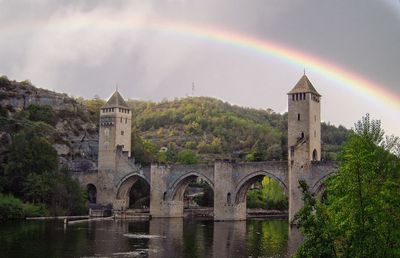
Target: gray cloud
point(85, 47)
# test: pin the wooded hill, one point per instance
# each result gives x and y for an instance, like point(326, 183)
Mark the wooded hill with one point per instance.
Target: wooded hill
point(187, 130)
point(201, 129)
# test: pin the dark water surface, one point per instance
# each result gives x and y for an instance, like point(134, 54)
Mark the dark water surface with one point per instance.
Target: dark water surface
point(154, 238)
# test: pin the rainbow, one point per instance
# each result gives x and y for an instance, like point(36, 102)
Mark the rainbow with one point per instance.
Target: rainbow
point(351, 81)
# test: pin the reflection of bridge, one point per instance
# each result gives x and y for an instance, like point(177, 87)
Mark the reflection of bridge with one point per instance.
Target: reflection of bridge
point(230, 181)
point(176, 237)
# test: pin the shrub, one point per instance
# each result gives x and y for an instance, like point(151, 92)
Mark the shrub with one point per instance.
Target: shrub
point(187, 157)
point(42, 113)
point(11, 208)
point(35, 210)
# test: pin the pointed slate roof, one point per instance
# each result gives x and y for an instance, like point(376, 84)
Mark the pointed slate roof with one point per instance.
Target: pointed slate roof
point(116, 100)
point(304, 86)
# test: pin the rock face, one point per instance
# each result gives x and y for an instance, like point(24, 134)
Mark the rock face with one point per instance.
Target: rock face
point(76, 136)
point(19, 95)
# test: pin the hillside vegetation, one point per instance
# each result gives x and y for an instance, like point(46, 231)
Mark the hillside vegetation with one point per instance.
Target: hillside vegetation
point(201, 129)
point(40, 133)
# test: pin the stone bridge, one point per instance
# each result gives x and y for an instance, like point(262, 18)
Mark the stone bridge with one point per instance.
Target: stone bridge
point(230, 182)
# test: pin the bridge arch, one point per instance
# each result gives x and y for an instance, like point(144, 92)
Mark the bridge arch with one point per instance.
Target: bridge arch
point(178, 187)
point(317, 187)
point(246, 182)
point(125, 185)
point(91, 191)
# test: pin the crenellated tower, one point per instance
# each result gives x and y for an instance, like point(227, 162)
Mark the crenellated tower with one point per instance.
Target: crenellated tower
point(304, 137)
point(115, 130)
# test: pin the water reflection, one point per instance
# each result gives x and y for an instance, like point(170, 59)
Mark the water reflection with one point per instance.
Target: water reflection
point(155, 238)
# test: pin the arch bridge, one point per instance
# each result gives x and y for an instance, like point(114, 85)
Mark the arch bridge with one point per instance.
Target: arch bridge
point(230, 182)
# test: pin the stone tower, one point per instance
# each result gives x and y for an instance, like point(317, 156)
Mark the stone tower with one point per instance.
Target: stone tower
point(304, 137)
point(115, 130)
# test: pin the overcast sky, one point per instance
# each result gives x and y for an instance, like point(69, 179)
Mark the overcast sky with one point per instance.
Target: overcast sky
point(85, 48)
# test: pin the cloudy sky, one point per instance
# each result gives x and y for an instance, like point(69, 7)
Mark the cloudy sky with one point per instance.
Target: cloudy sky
point(85, 48)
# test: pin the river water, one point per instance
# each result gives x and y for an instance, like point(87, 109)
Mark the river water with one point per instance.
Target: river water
point(155, 238)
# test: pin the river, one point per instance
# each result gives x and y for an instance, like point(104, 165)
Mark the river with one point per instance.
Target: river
point(155, 238)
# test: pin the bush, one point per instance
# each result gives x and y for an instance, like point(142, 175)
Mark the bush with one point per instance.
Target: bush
point(42, 113)
point(14, 208)
point(187, 157)
point(11, 208)
point(35, 210)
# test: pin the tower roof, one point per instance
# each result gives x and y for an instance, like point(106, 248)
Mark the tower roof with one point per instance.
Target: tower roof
point(116, 100)
point(304, 86)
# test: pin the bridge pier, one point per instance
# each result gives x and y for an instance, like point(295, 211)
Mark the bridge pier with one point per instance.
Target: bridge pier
point(161, 203)
point(225, 206)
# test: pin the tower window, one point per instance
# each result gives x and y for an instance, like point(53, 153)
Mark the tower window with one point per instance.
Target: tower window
point(121, 119)
point(298, 117)
point(302, 135)
point(292, 97)
point(315, 155)
point(122, 132)
point(126, 120)
point(228, 198)
point(297, 96)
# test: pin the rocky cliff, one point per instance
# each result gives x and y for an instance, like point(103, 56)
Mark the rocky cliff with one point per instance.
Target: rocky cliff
point(75, 135)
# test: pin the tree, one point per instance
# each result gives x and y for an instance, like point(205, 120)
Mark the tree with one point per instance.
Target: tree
point(215, 145)
point(313, 222)
point(257, 152)
point(362, 213)
point(187, 157)
point(33, 175)
point(94, 106)
point(28, 154)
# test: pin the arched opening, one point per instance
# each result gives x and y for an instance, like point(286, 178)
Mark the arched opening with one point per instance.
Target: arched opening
point(319, 189)
point(139, 195)
point(134, 193)
point(196, 193)
point(315, 155)
point(262, 194)
point(91, 193)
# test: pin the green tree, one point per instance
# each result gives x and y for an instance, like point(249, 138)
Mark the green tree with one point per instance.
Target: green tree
point(187, 157)
point(313, 220)
point(28, 154)
point(362, 211)
point(215, 145)
point(257, 152)
point(94, 106)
